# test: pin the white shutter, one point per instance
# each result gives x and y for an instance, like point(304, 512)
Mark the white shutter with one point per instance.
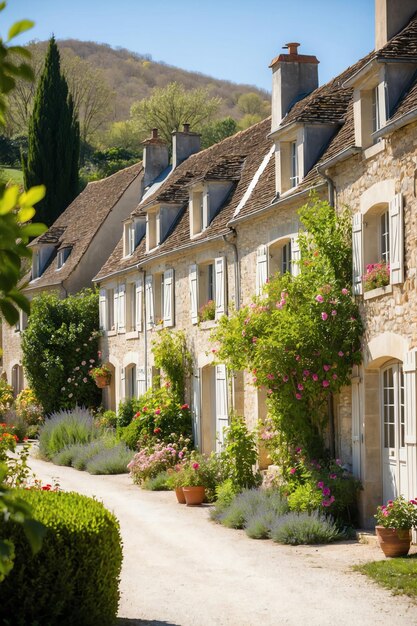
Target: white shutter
point(131, 238)
point(169, 305)
point(193, 280)
point(261, 268)
point(410, 406)
point(121, 317)
point(357, 253)
point(141, 381)
point(220, 280)
point(123, 382)
point(396, 240)
point(295, 256)
point(139, 304)
point(222, 418)
point(149, 376)
point(356, 422)
point(115, 307)
point(103, 309)
point(196, 408)
point(150, 318)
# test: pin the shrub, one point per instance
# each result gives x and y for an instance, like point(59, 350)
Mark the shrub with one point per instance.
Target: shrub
point(110, 461)
point(305, 498)
point(225, 494)
point(85, 453)
point(258, 524)
point(126, 411)
point(132, 434)
point(66, 455)
point(65, 428)
point(150, 461)
point(29, 408)
point(108, 419)
point(240, 454)
point(161, 482)
point(174, 359)
point(304, 528)
point(74, 578)
point(255, 509)
point(6, 396)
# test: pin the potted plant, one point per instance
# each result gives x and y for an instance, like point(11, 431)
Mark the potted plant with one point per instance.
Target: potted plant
point(207, 312)
point(377, 275)
point(193, 478)
point(394, 523)
point(101, 375)
point(175, 481)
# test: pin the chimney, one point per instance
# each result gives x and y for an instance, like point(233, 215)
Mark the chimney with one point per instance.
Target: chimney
point(184, 144)
point(390, 17)
point(293, 75)
point(155, 157)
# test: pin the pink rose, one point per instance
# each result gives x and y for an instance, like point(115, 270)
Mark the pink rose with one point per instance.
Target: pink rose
point(345, 291)
point(298, 396)
point(195, 466)
point(315, 377)
point(324, 316)
point(292, 470)
point(319, 298)
point(325, 383)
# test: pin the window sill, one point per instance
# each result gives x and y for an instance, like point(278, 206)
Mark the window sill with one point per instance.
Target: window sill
point(379, 291)
point(133, 334)
point(111, 333)
point(207, 324)
point(372, 151)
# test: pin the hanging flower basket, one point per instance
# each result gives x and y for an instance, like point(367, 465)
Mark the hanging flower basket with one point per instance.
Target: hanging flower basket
point(101, 376)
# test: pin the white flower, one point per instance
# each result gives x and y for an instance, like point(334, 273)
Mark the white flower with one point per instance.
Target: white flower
point(77, 349)
point(70, 395)
point(62, 388)
point(83, 362)
point(92, 361)
point(85, 379)
point(69, 380)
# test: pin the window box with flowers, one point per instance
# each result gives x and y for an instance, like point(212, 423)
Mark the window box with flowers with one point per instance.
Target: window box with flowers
point(101, 376)
point(207, 313)
point(394, 523)
point(377, 275)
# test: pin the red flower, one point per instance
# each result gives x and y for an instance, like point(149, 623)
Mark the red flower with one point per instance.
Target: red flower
point(184, 407)
point(156, 431)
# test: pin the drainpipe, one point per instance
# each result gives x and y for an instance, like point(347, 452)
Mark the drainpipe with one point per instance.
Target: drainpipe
point(330, 184)
point(232, 243)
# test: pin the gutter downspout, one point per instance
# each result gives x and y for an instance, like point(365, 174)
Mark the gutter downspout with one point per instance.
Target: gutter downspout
point(145, 325)
point(330, 184)
point(232, 244)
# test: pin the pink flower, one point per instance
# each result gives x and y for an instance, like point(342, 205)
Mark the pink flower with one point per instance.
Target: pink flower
point(333, 476)
point(298, 396)
point(85, 379)
point(285, 378)
point(300, 387)
point(254, 339)
point(338, 462)
point(340, 353)
point(315, 377)
point(385, 513)
point(345, 291)
point(243, 333)
point(306, 373)
point(292, 470)
point(334, 376)
point(325, 383)
point(320, 484)
point(270, 376)
point(195, 466)
point(319, 298)
point(180, 454)
point(158, 412)
point(324, 316)
point(334, 312)
point(326, 491)
point(297, 357)
point(326, 368)
point(298, 450)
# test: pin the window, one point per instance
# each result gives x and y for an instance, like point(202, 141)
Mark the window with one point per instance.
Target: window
point(208, 290)
point(152, 230)
point(130, 381)
point(198, 219)
point(132, 235)
point(378, 240)
point(41, 259)
point(22, 322)
point(205, 202)
point(293, 164)
point(286, 258)
point(62, 256)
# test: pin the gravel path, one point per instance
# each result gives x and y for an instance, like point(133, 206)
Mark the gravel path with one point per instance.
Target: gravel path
point(180, 569)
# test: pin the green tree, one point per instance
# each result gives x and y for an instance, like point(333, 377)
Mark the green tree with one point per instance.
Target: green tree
point(60, 346)
point(252, 104)
point(170, 107)
point(217, 131)
point(54, 140)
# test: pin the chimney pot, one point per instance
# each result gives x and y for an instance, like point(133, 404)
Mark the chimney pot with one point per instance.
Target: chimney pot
point(186, 128)
point(292, 47)
point(154, 133)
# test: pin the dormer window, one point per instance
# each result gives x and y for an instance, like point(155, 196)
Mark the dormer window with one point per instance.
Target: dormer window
point(41, 259)
point(205, 202)
point(134, 231)
point(62, 256)
point(152, 230)
point(198, 216)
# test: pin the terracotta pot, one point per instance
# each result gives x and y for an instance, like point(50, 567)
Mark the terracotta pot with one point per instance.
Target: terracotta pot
point(393, 542)
point(194, 495)
point(180, 495)
point(102, 381)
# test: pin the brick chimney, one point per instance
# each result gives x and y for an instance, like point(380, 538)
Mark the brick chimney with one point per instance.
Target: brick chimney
point(184, 144)
point(293, 75)
point(155, 157)
point(390, 17)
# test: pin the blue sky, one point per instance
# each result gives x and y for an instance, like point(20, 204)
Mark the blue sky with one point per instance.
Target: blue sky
point(229, 39)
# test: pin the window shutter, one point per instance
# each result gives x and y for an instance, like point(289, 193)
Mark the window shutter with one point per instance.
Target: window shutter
point(396, 240)
point(123, 382)
point(139, 304)
point(115, 307)
point(141, 381)
point(357, 253)
point(193, 280)
point(261, 268)
point(103, 309)
point(410, 405)
point(295, 256)
point(169, 314)
point(222, 418)
point(121, 323)
point(220, 279)
point(196, 405)
point(149, 301)
point(149, 376)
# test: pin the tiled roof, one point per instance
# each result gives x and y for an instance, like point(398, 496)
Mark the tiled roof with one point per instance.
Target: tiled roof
point(407, 103)
point(239, 155)
point(403, 45)
point(78, 224)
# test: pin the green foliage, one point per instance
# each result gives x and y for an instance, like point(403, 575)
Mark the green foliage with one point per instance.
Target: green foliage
point(153, 459)
point(103, 163)
point(254, 508)
point(398, 575)
point(173, 357)
point(305, 498)
point(74, 578)
point(302, 528)
point(217, 131)
point(302, 337)
point(6, 396)
point(168, 108)
point(108, 419)
point(112, 460)
point(60, 346)
point(54, 139)
point(65, 428)
point(252, 104)
point(239, 454)
point(28, 408)
point(126, 411)
point(400, 514)
point(161, 482)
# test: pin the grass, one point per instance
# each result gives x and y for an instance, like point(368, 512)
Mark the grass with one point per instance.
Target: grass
point(399, 575)
point(8, 174)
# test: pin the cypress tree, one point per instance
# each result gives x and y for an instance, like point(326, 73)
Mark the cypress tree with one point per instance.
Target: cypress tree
point(54, 141)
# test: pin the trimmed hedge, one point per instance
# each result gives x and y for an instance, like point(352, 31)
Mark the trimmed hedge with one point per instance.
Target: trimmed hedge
point(74, 579)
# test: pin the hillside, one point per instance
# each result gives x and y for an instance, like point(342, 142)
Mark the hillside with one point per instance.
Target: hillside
point(132, 76)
